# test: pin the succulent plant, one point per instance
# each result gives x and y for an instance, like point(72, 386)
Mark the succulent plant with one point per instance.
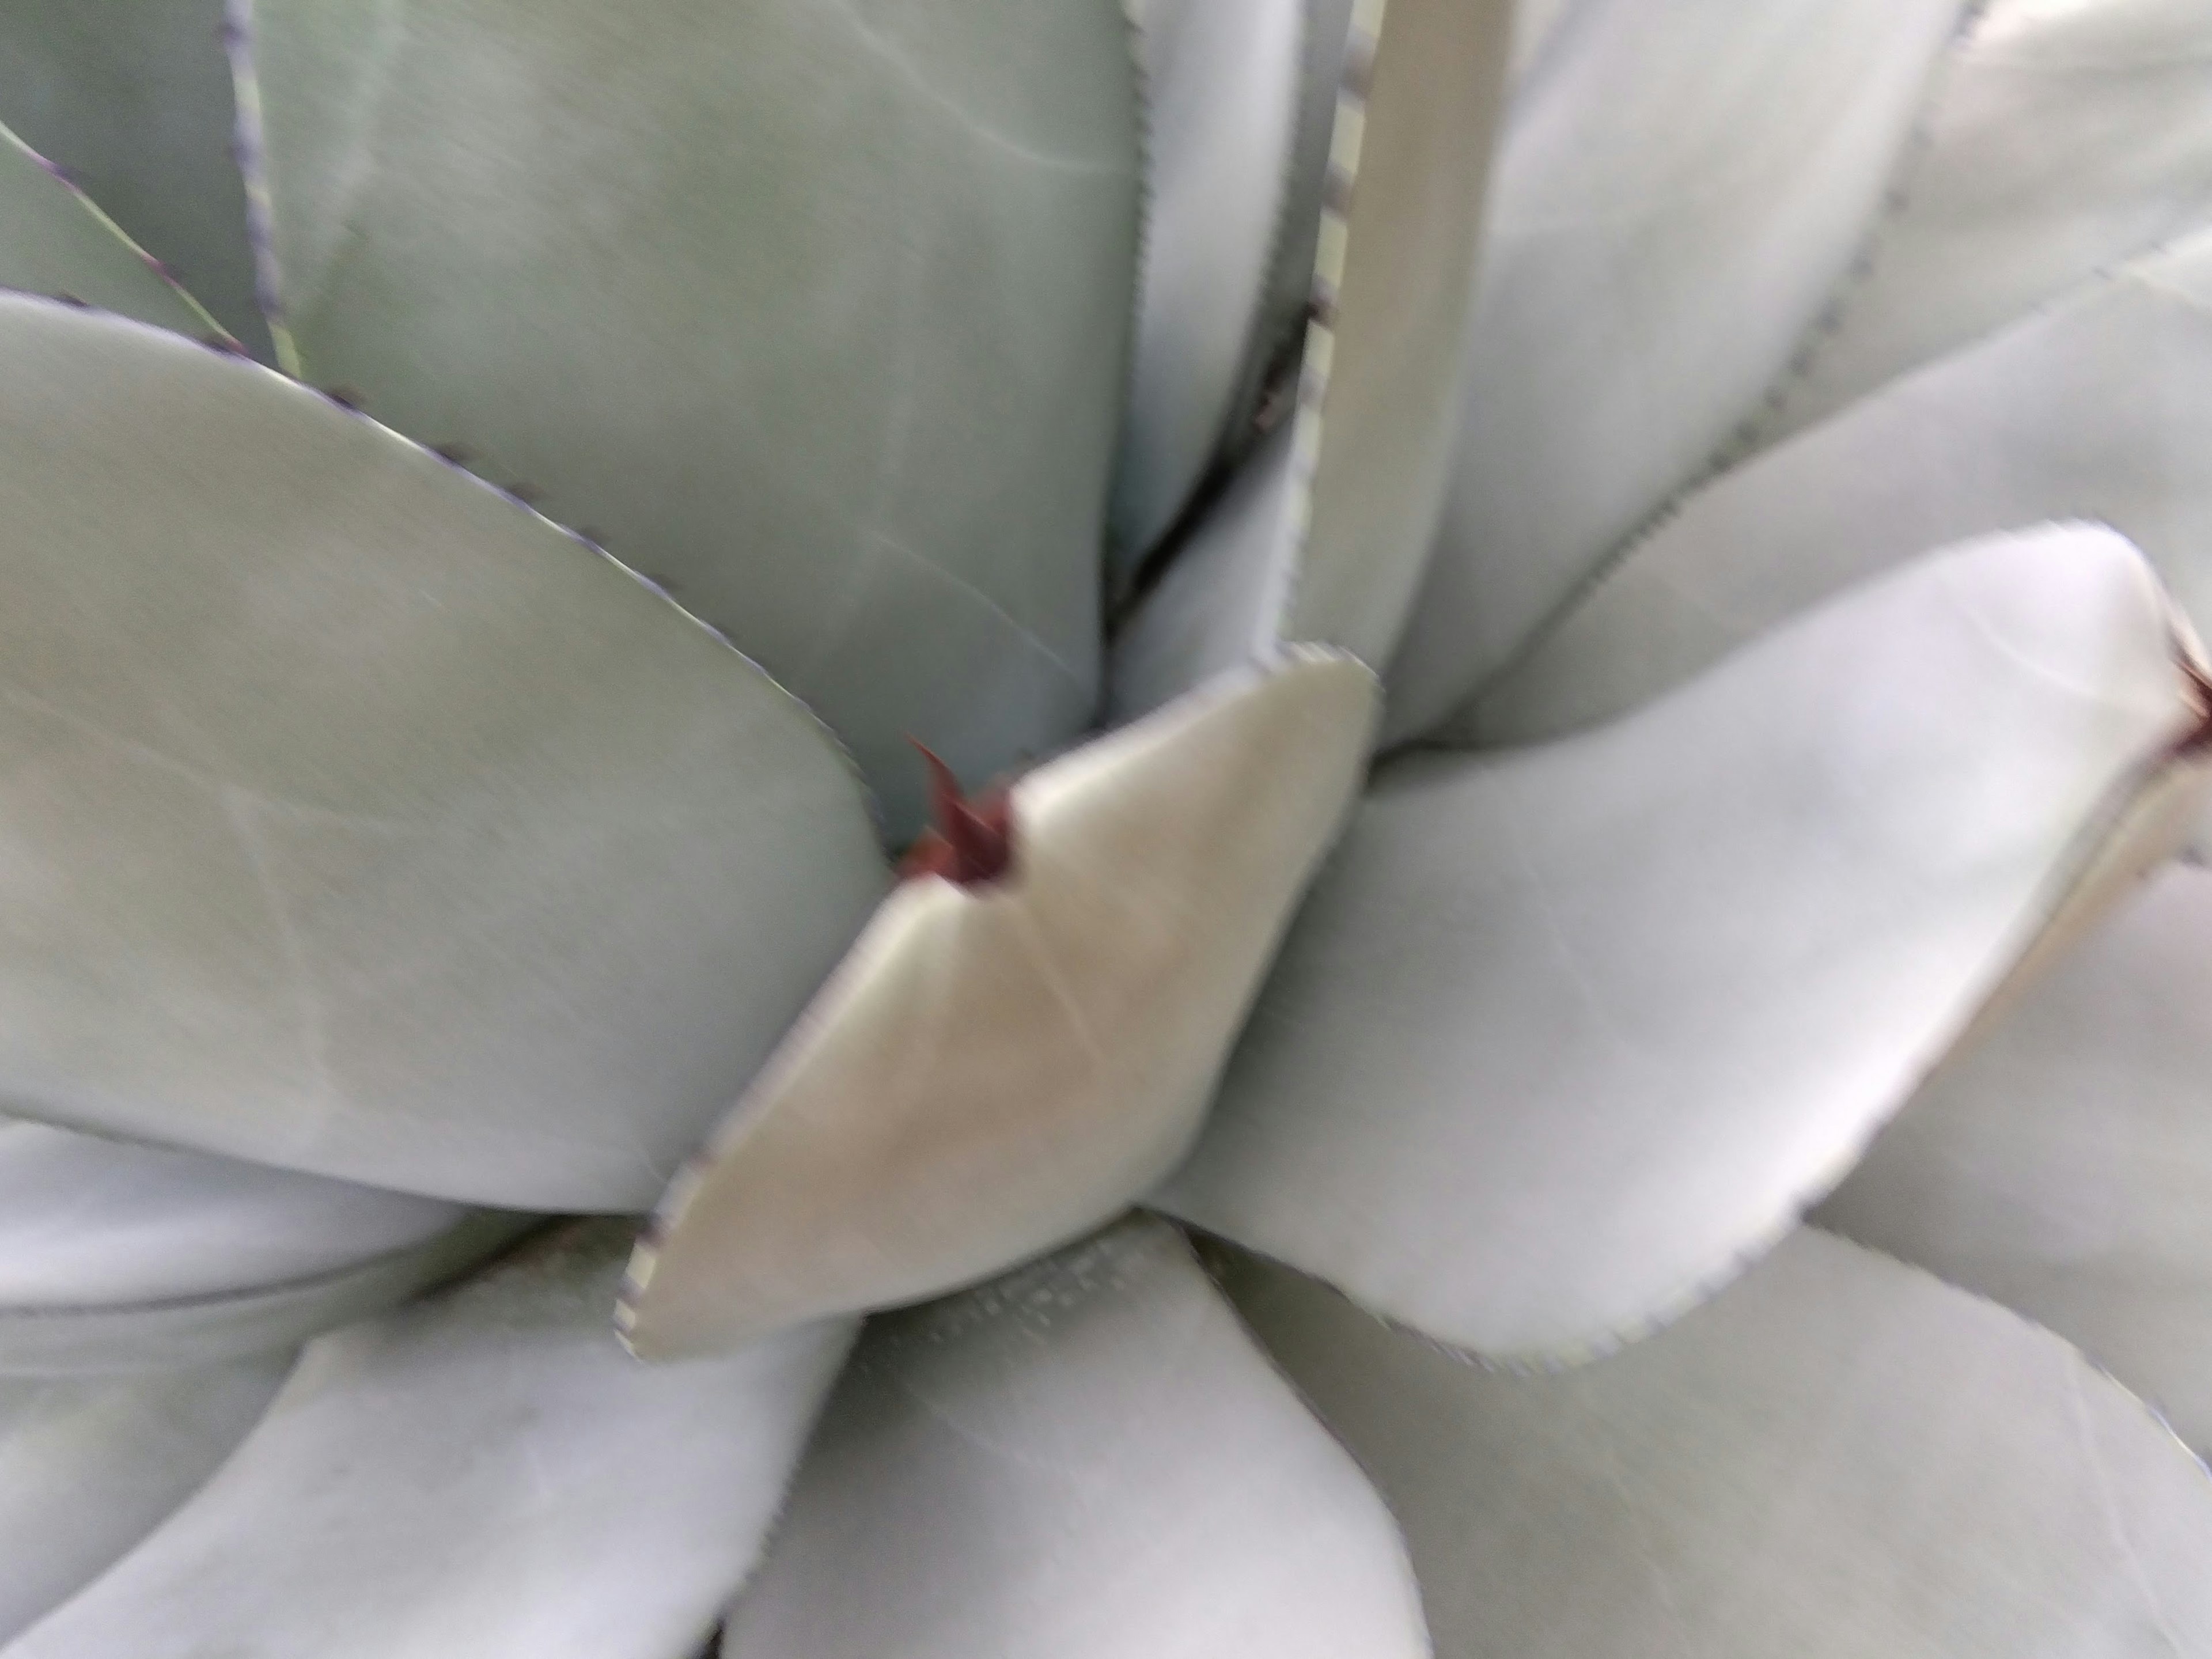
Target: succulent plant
point(1574, 627)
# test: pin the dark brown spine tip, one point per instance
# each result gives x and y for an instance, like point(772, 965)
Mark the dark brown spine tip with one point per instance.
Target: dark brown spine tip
point(344, 397)
point(972, 841)
point(458, 454)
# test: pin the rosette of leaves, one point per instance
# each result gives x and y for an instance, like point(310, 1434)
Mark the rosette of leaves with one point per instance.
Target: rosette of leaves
point(1556, 632)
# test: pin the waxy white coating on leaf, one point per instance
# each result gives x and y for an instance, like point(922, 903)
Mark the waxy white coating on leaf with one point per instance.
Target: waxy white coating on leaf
point(85, 1221)
point(1088, 1459)
point(1562, 1034)
point(996, 1069)
point(135, 100)
point(166, 1332)
point(53, 242)
point(1839, 1459)
point(2100, 408)
point(355, 820)
point(2064, 138)
point(2063, 1164)
point(816, 310)
point(485, 1473)
point(115, 1257)
point(90, 1465)
point(1677, 197)
point(1221, 105)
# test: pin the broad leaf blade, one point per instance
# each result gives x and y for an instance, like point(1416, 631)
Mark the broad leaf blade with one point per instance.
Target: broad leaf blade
point(1841, 1457)
point(90, 1465)
point(1563, 1034)
point(1086, 1460)
point(362, 822)
point(994, 1071)
point(816, 314)
point(486, 1472)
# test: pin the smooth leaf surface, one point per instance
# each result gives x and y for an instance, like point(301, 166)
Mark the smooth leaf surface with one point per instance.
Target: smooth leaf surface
point(1678, 196)
point(2100, 408)
point(157, 1333)
point(87, 1220)
point(1221, 108)
point(1840, 1458)
point(1086, 1460)
point(486, 1472)
point(135, 101)
point(2063, 139)
point(1563, 1034)
point(88, 1466)
point(52, 241)
point(994, 1070)
point(360, 822)
point(2063, 1165)
point(817, 313)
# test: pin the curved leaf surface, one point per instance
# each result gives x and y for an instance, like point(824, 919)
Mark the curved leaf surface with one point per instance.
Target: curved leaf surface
point(359, 821)
point(2100, 408)
point(2063, 139)
point(1086, 1460)
point(817, 313)
point(1840, 1457)
point(1221, 106)
point(88, 1466)
point(2063, 1165)
point(996, 1069)
point(1677, 197)
point(1562, 1035)
point(486, 1472)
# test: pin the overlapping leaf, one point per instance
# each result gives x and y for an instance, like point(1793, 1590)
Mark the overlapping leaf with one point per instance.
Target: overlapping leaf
point(817, 313)
point(1563, 1034)
point(1839, 1457)
point(486, 1472)
point(359, 821)
point(1086, 1460)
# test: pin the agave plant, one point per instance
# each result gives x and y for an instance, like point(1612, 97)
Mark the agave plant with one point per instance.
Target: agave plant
point(1522, 736)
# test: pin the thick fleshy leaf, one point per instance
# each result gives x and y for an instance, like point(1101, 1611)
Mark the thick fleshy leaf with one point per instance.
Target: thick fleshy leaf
point(1563, 1034)
point(1221, 106)
point(1086, 1460)
point(360, 822)
point(484, 1474)
point(89, 1221)
point(1393, 288)
point(2064, 138)
point(85, 1338)
point(54, 241)
point(1838, 1459)
point(1678, 196)
point(88, 1466)
point(2063, 1165)
point(135, 101)
point(996, 1069)
point(1324, 540)
point(816, 314)
point(2100, 408)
